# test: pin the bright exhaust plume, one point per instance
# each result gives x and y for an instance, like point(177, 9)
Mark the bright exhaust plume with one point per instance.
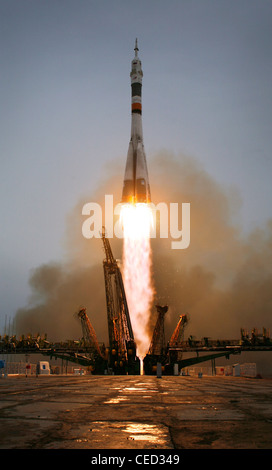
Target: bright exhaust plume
point(136, 220)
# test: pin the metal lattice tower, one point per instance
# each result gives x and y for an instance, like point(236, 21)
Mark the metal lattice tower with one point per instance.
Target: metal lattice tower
point(119, 325)
point(157, 344)
point(178, 333)
point(89, 334)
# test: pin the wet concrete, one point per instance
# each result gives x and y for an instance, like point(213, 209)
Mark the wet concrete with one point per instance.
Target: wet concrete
point(135, 412)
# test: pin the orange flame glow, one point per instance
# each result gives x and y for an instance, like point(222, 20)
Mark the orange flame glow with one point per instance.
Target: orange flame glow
point(137, 221)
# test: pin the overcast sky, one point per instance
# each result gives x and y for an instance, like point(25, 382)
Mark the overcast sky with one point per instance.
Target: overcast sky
point(65, 108)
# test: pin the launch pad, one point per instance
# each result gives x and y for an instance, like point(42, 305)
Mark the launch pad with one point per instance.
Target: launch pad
point(119, 357)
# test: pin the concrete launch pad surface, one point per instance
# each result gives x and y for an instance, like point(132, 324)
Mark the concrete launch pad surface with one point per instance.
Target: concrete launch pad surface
point(135, 412)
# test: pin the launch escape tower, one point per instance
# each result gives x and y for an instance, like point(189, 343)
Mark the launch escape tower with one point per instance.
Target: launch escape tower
point(122, 347)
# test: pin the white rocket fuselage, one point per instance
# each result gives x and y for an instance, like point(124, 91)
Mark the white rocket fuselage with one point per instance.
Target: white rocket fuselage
point(136, 184)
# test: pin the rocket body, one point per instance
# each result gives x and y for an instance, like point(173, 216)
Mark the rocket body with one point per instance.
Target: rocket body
point(136, 187)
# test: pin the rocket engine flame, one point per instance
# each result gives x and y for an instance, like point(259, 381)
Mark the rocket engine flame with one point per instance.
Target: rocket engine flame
point(137, 276)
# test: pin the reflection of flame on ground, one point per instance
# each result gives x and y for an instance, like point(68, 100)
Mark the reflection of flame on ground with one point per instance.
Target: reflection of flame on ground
point(147, 432)
point(137, 222)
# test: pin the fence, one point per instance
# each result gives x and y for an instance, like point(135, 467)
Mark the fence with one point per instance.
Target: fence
point(235, 370)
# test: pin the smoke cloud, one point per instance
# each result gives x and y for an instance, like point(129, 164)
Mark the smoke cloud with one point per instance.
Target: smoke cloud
point(223, 280)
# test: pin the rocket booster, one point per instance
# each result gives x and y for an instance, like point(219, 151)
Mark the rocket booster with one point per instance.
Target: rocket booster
point(136, 184)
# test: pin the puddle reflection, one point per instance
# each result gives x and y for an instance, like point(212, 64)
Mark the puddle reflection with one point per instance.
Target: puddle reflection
point(147, 432)
point(115, 400)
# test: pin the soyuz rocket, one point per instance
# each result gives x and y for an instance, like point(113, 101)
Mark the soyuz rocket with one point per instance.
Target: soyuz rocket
point(136, 184)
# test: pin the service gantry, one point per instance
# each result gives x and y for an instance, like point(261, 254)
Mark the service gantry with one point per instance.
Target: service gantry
point(178, 334)
point(157, 344)
point(89, 334)
point(121, 339)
